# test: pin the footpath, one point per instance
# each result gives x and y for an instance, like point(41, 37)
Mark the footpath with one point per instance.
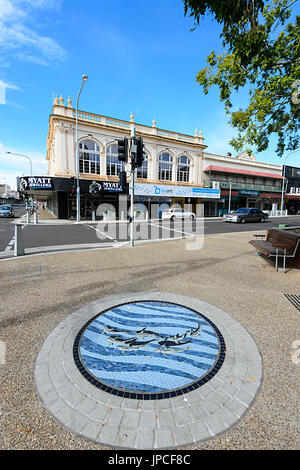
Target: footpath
point(39, 292)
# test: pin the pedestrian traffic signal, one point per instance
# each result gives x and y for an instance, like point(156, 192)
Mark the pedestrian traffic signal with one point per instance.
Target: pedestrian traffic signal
point(137, 152)
point(123, 150)
point(73, 184)
point(123, 182)
point(140, 152)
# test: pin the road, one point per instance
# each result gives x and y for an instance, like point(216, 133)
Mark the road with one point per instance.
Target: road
point(7, 228)
point(62, 236)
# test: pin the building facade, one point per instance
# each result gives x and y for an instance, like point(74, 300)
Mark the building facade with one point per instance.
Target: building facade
point(171, 173)
point(292, 189)
point(243, 181)
point(177, 170)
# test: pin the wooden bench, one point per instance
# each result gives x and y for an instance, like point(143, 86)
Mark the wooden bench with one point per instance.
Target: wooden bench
point(278, 243)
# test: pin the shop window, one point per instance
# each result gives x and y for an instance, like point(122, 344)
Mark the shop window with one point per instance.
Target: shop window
point(113, 165)
point(89, 157)
point(142, 172)
point(183, 169)
point(165, 163)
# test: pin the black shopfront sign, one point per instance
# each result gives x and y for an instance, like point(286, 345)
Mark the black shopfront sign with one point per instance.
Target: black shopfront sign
point(292, 174)
point(35, 183)
point(89, 187)
point(97, 188)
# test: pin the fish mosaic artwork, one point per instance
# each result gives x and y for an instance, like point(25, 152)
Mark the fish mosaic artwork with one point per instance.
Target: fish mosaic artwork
point(149, 348)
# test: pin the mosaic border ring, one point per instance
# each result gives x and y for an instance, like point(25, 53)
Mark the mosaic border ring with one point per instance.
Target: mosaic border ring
point(190, 403)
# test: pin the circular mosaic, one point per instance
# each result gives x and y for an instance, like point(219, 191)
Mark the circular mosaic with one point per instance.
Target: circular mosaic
point(149, 350)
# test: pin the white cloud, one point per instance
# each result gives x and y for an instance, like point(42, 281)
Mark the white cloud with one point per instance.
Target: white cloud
point(12, 166)
point(19, 40)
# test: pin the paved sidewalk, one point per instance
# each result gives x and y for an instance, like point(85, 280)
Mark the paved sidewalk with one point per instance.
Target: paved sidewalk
point(39, 292)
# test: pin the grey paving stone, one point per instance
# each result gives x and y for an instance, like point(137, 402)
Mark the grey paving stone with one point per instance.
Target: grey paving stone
point(182, 435)
point(147, 420)
point(197, 412)
point(131, 419)
point(165, 419)
point(91, 430)
point(114, 416)
point(214, 424)
point(181, 415)
point(144, 439)
point(108, 434)
point(163, 438)
point(199, 431)
point(126, 437)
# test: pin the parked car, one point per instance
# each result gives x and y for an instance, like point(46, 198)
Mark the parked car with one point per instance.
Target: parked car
point(6, 211)
point(172, 214)
point(243, 215)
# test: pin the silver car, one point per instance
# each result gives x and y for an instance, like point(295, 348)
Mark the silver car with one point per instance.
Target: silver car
point(243, 215)
point(173, 214)
point(7, 210)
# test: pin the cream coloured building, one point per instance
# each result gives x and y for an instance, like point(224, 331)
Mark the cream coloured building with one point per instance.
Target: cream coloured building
point(172, 171)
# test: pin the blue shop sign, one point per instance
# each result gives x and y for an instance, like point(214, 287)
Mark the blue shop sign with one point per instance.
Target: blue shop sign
point(248, 192)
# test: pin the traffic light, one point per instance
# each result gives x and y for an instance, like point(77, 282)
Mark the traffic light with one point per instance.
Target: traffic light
point(123, 181)
point(137, 152)
point(140, 152)
point(73, 184)
point(123, 150)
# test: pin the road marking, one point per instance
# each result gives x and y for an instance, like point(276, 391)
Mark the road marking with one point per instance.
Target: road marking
point(102, 233)
point(179, 231)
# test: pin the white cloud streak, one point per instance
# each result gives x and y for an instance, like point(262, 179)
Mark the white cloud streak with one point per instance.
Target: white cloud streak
point(12, 166)
point(21, 41)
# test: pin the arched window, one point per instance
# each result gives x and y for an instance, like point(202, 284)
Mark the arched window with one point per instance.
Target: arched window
point(165, 167)
point(142, 171)
point(183, 169)
point(89, 157)
point(113, 165)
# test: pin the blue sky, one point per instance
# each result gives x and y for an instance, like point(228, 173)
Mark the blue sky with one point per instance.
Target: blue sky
point(140, 57)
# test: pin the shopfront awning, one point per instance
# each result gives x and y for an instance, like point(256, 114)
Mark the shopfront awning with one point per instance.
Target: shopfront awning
point(240, 171)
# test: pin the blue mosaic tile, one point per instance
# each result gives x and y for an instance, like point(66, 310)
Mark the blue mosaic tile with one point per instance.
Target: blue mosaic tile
point(149, 350)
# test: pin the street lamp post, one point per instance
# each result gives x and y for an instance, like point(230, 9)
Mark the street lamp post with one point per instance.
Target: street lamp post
point(229, 199)
point(84, 79)
point(21, 155)
point(283, 180)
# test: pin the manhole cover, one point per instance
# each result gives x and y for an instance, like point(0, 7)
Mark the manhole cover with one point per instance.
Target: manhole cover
point(149, 350)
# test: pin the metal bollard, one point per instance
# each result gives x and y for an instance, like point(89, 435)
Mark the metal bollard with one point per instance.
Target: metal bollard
point(35, 218)
point(28, 216)
point(19, 241)
point(93, 216)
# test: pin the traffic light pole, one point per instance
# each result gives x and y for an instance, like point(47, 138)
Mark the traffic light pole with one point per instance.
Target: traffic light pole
point(132, 196)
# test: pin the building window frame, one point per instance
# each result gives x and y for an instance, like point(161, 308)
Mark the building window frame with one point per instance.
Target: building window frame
point(183, 169)
point(165, 167)
point(142, 172)
point(113, 165)
point(89, 157)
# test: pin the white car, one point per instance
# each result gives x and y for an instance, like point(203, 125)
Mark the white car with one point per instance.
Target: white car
point(173, 214)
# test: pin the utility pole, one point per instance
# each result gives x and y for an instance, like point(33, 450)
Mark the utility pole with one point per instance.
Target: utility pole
point(131, 152)
point(229, 202)
point(132, 186)
point(84, 79)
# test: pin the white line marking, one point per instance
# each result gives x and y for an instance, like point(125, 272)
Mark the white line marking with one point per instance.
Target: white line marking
point(173, 230)
point(102, 233)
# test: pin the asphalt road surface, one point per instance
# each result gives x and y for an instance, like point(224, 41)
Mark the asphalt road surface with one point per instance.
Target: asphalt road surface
point(7, 228)
point(49, 237)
